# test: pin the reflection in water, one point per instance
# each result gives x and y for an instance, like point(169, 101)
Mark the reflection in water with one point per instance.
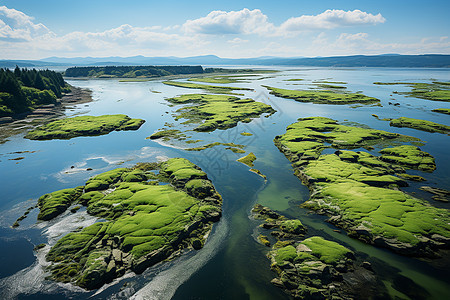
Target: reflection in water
point(231, 265)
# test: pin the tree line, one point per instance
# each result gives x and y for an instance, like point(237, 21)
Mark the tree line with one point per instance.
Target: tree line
point(131, 71)
point(23, 89)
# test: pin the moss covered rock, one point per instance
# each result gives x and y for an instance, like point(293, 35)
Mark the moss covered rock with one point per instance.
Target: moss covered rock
point(420, 125)
point(409, 156)
point(146, 220)
point(84, 126)
point(359, 191)
point(218, 111)
point(323, 97)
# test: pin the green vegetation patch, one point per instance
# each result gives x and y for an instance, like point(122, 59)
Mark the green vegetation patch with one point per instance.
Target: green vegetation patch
point(218, 111)
point(322, 97)
point(317, 249)
point(145, 220)
point(84, 126)
point(442, 110)
point(420, 125)
point(410, 156)
point(307, 137)
point(359, 190)
point(248, 159)
point(246, 134)
point(168, 134)
point(236, 148)
point(436, 91)
point(210, 88)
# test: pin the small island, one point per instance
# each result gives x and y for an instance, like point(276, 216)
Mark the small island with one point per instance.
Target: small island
point(322, 97)
point(217, 111)
point(435, 91)
point(420, 125)
point(149, 213)
point(313, 267)
point(359, 191)
point(84, 126)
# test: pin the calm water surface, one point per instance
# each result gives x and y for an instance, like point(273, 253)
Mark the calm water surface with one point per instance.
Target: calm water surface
point(232, 265)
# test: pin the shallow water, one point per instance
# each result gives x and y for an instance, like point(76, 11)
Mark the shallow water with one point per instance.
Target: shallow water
point(232, 265)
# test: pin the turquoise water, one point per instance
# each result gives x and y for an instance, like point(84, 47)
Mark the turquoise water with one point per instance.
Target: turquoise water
point(232, 265)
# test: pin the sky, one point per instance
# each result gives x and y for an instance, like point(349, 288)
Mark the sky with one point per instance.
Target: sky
point(31, 29)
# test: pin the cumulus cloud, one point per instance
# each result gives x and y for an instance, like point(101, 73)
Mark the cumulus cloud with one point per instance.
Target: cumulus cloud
point(330, 19)
point(219, 22)
point(237, 41)
point(15, 26)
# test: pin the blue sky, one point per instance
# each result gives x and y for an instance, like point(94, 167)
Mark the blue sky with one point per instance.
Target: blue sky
point(31, 29)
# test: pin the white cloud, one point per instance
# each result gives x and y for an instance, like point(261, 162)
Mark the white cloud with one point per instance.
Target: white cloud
point(330, 19)
point(219, 22)
point(237, 41)
point(15, 26)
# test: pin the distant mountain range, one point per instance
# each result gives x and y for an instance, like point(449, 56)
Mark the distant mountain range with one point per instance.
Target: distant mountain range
point(386, 60)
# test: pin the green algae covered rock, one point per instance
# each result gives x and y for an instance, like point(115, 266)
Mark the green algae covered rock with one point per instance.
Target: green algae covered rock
point(322, 97)
point(436, 91)
point(445, 111)
point(54, 204)
point(84, 126)
point(409, 156)
point(420, 125)
point(218, 111)
point(311, 268)
point(248, 159)
point(359, 191)
point(145, 222)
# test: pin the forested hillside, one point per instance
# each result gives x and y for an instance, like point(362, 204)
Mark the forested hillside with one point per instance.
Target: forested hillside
point(22, 89)
point(131, 71)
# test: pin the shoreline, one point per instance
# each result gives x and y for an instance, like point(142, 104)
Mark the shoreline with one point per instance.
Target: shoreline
point(25, 121)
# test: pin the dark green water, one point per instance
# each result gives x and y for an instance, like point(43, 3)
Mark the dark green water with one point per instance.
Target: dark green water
point(232, 265)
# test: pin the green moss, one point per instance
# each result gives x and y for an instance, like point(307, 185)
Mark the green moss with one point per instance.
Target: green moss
point(168, 134)
point(436, 91)
point(258, 172)
point(294, 226)
point(54, 204)
point(84, 126)
point(355, 187)
point(409, 156)
point(210, 88)
point(411, 177)
point(420, 125)
point(442, 110)
point(287, 253)
point(246, 134)
point(144, 223)
point(207, 146)
point(322, 97)
point(326, 251)
point(248, 159)
point(218, 111)
point(263, 240)
point(305, 139)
